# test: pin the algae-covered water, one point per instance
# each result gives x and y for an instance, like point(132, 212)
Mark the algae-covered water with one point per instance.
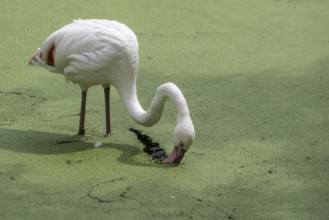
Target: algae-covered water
point(256, 77)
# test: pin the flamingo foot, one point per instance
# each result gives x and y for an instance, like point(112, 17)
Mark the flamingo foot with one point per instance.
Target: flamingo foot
point(176, 155)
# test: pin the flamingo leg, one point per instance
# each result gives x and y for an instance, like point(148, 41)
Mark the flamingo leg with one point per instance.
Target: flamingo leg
point(82, 113)
point(107, 110)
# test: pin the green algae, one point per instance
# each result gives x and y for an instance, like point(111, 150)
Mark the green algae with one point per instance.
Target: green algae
point(254, 73)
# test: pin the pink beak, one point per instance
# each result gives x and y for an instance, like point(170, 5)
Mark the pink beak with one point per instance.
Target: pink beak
point(30, 61)
point(176, 155)
point(33, 58)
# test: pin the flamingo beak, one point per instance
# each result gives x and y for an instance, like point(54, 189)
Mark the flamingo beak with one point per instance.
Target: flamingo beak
point(176, 155)
point(32, 60)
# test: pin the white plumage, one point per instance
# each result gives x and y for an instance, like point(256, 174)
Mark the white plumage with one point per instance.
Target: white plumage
point(103, 52)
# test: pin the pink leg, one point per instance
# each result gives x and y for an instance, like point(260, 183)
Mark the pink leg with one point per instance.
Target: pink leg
point(82, 113)
point(107, 110)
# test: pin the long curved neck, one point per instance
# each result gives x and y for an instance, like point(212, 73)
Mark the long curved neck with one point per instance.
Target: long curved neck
point(154, 112)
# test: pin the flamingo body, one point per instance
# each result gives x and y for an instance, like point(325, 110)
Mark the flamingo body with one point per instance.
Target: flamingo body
point(91, 52)
point(103, 52)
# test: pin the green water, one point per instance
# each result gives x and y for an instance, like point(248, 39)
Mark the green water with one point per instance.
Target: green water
point(255, 74)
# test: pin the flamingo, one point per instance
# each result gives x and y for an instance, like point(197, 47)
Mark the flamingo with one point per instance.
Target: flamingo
point(105, 52)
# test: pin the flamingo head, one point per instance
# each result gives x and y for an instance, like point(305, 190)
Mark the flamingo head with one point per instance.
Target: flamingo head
point(40, 59)
point(183, 138)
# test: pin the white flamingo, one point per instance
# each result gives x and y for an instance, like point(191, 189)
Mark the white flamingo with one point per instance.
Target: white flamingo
point(103, 52)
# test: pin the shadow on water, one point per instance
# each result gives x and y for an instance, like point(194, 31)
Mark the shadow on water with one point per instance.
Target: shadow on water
point(37, 142)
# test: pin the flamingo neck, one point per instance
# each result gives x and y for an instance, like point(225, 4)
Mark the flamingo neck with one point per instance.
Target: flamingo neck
point(154, 112)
